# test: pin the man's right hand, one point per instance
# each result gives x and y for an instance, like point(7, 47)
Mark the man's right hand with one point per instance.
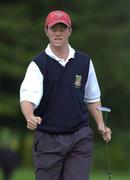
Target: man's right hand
point(33, 121)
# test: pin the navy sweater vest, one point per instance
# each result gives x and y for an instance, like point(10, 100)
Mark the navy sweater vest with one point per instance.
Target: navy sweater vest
point(62, 106)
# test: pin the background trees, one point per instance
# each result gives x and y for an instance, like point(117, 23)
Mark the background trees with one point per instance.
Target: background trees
point(100, 28)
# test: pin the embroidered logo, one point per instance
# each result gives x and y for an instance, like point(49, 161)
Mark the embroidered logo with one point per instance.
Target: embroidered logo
point(58, 14)
point(78, 81)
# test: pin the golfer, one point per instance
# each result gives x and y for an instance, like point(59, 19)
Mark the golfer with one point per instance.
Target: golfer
point(58, 92)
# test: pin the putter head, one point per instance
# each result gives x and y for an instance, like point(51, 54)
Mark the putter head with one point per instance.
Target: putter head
point(103, 109)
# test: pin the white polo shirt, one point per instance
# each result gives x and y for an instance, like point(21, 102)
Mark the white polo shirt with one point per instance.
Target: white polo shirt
point(32, 86)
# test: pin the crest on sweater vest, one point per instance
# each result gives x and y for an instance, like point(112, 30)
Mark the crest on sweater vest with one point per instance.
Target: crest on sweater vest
point(78, 79)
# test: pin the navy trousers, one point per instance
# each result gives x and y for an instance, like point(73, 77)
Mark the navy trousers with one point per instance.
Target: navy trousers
point(63, 156)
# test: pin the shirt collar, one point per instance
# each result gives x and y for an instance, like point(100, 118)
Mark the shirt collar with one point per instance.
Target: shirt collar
point(49, 52)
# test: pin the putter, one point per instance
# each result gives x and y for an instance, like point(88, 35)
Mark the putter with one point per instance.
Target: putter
point(106, 110)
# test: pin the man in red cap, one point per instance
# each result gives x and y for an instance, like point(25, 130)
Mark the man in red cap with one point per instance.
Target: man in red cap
point(60, 88)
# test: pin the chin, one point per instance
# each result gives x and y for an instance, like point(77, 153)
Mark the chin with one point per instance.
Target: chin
point(58, 45)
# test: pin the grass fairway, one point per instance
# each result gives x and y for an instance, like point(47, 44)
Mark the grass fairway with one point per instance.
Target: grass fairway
point(104, 176)
point(21, 174)
point(27, 174)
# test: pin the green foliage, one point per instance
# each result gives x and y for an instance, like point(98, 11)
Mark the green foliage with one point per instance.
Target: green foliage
point(18, 141)
point(101, 29)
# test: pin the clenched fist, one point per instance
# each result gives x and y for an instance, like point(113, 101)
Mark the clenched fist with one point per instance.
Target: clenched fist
point(33, 121)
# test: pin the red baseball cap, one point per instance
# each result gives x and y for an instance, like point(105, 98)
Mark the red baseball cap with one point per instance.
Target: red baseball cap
point(55, 17)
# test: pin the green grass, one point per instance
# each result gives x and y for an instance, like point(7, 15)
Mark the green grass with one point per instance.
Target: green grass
point(115, 176)
point(21, 174)
point(28, 174)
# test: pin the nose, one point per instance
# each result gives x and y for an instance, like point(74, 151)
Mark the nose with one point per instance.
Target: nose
point(57, 33)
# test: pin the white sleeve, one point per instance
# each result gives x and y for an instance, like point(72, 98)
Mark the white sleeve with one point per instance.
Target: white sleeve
point(32, 86)
point(92, 91)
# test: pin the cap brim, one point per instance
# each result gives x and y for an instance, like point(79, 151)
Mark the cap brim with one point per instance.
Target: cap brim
point(56, 22)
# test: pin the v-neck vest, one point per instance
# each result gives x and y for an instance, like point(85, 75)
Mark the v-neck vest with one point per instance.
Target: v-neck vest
point(62, 106)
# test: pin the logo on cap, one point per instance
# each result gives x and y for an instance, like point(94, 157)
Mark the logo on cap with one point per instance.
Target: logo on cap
point(59, 14)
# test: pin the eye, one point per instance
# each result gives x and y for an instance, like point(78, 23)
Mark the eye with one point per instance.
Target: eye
point(62, 29)
point(54, 29)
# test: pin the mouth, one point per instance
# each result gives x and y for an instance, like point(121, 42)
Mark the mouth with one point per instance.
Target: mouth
point(57, 39)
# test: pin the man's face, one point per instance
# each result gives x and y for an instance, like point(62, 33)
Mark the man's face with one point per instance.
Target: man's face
point(58, 34)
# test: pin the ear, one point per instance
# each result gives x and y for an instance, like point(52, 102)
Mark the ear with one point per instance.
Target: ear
point(46, 31)
point(70, 31)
